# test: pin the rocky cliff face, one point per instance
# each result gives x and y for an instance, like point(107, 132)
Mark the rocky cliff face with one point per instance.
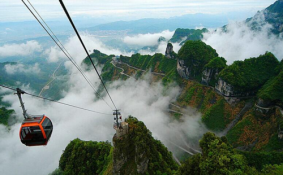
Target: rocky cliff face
point(193, 57)
point(182, 69)
point(137, 152)
point(228, 90)
point(206, 76)
point(212, 69)
point(127, 154)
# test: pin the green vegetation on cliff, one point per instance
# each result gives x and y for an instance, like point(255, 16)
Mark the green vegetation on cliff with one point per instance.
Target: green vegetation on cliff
point(218, 157)
point(140, 147)
point(5, 114)
point(98, 57)
point(273, 89)
point(250, 74)
point(189, 34)
point(216, 63)
point(85, 157)
point(157, 62)
point(257, 132)
point(196, 54)
point(214, 117)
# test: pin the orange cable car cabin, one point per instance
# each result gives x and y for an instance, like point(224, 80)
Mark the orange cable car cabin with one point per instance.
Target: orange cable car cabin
point(36, 131)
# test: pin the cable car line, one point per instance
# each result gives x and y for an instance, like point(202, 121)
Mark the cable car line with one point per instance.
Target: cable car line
point(55, 101)
point(61, 48)
point(74, 27)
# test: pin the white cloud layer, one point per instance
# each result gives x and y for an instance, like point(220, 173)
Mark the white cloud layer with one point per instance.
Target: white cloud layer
point(76, 50)
point(22, 49)
point(240, 42)
point(149, 39)
point(20, 68)
point(145, 100)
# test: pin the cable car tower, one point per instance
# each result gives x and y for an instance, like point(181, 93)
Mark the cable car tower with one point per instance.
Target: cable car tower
point(120, 127)
point(116, 113)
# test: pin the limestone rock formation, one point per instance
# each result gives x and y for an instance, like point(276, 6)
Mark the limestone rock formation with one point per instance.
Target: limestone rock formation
point(212, 69)
point(228, 90)
point(192, 58)
point(137, 152)
point(169, 53)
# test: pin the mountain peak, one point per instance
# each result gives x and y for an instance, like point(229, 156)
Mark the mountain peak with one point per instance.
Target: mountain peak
point(277, 7)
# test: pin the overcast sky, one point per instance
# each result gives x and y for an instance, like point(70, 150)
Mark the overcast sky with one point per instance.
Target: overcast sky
point(14, 10)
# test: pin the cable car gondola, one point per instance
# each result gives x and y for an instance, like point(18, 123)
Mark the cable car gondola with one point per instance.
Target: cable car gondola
point(36, 130)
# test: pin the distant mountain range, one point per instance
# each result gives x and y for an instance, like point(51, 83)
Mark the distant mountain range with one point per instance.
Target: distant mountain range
point(152, 25)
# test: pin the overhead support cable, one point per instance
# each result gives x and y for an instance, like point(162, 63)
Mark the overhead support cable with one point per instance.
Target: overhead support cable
point(51, 100)
point(74, 27)
point(62, 48)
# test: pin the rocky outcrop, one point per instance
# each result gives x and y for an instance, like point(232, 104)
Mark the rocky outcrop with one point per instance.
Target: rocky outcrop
point(193, 57)
point(137, 152)
point(206, 76)
point(182, 69)
point(128, 154)
point(169, 53)
point(212, 69)
point(228, 90)
point(141, 160)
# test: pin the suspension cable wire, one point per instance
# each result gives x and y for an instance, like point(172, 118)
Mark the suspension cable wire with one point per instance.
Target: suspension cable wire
point(55, 101)
point(74, 27)
point(65, 52)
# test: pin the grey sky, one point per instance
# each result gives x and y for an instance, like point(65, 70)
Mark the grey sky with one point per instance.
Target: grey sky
point(14, 10)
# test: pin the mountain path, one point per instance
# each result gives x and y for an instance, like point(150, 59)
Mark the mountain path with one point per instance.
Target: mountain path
point(247, 107)
point(155, 73)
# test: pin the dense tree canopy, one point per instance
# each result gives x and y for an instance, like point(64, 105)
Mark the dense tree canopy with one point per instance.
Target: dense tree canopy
point(216, 63)
point(218, 157)
point(252, 73)
point(273, 89)
point(5, 115)
point(85, 157)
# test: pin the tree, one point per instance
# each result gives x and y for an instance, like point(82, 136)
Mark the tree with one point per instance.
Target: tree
point(218, 157)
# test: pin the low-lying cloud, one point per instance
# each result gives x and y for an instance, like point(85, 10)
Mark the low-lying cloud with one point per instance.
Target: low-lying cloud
point(161, 48)
point(20, 68)
point(22, 49)
point(54, 54)
point(240, 42)
point(149, 39)
point(76, 50)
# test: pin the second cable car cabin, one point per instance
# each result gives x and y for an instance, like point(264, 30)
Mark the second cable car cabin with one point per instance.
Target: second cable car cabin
point(36, 130)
